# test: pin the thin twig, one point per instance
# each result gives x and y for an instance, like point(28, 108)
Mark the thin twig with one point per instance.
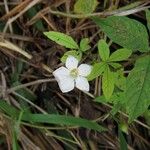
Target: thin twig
point(29, 84)
point(104, 13)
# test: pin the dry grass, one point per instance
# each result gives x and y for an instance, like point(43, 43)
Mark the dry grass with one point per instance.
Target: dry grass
point(27, 61)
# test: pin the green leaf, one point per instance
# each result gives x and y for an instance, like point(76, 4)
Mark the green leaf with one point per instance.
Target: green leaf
point(103, 50)
point(120, 80)
point(50, 118)
point(118, 102)
point(115, 65)
point(62, 39)
point(117, 99)
point(15, 145)
point(120, 54)
point(76, 54)
point(85, 6)
point(147, 117)
point(63, 120)
point(148, 18)
point(108, 80)
point(8, 109)
point(128, 33)
point(123, 143)
point(97, 70)
point(31, 13)
point(138, 88)
point(84, 45)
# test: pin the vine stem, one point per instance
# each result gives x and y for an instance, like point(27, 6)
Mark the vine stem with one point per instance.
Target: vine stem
point(118, 12)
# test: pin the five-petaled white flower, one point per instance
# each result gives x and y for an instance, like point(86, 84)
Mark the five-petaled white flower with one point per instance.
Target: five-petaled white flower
point(72, 76)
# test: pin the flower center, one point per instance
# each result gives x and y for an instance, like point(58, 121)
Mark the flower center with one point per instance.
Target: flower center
point(74, 73)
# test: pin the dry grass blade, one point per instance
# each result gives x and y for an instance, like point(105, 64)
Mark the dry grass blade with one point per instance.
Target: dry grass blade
point(27, 84)
point(13, 47)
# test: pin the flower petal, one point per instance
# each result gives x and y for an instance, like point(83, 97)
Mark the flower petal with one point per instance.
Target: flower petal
point(67, 84)
point(71, 62)
point(61, 73)
point(84, 70)
point(82, 84)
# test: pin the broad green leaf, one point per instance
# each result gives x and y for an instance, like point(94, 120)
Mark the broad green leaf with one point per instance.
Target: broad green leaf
point(108, 80)
point(128, 33)
point(120, 54)
point(148, 18)
point(76, 54)
point(85, 6)
point(62, 39)
point(84, 45)
point(103, 50)
point(97, 70)
point(50, 118)
point(138, 88)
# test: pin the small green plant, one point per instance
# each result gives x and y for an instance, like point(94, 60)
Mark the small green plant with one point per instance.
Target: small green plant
point(131, 92)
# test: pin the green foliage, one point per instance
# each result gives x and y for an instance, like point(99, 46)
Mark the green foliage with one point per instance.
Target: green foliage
point(147, 117)
point(23, 92)
point(123, 143)
point(120, 54)
point(110, 78)
point(103, 50)
point(15, 145)
point(108, 81)
point(84, 44)
point(85, 6)
point(128, 33)
point(120, 79)
point(148, 18)
point(31, 13)
point(118, 102)
point(50, 118)
point(76, 54)
point(138, 88)
point(98, 69)
point(115, 65)
point(62, 39)
point(131, 93)
point(117, 99)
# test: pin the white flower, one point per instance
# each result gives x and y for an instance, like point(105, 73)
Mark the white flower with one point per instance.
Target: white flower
point(73, 76)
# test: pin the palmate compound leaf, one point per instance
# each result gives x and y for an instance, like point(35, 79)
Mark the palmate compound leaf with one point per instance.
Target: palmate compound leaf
point(62, 39)
point(128, 33)
point(138, 88)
